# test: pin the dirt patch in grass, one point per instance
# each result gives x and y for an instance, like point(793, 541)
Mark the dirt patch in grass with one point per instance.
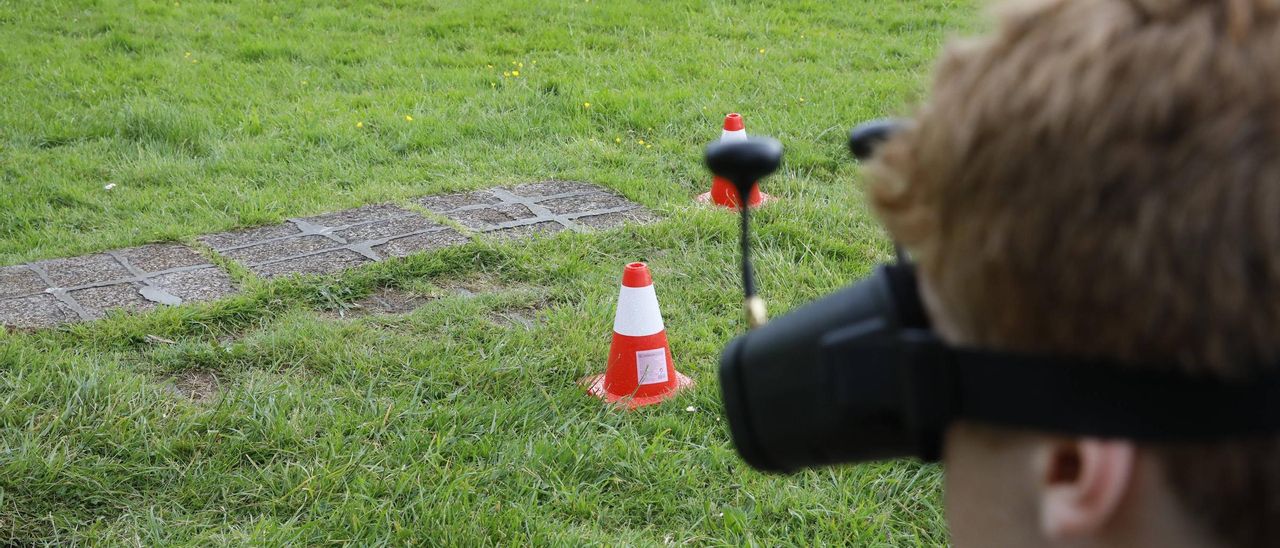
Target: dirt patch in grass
point(386, 300)
point(397, 301)
point(15, 330)
point(525, 317)
point(473, 285)
point(198, 385)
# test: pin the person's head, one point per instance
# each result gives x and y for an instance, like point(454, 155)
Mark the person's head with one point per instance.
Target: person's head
point(1101, 179)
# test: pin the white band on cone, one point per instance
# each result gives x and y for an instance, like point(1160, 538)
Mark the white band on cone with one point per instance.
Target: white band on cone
point(638, 313)
point(737, 135)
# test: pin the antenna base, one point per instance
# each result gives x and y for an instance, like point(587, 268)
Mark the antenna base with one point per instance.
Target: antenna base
point(756, 315)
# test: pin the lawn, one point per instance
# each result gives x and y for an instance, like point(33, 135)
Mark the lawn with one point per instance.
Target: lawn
point(447, 425)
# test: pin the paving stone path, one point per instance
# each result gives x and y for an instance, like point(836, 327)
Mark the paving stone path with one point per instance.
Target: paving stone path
point(48, 293)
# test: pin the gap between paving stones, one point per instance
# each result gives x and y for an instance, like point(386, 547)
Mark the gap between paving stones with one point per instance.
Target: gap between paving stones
point(47, 293)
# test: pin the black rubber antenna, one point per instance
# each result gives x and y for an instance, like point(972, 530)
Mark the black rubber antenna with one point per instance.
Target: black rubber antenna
point(863, 142)
point(744, 163)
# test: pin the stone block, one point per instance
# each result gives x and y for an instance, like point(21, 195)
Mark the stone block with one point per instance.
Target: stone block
point(238, 238)
point(544, 189)
point(160, 257)
point(19, 280)
point(205, 284)
point(586, 202)
point(403, 247)
point(348, 217)
point(43, 310)
point(323, 263)
point(386, 229)
point(97, 301)
point(280, 249)
point(83, 270)
point(490, 217)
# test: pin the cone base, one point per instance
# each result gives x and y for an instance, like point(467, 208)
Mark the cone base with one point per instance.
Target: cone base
point(705, 198)
point(594, 386)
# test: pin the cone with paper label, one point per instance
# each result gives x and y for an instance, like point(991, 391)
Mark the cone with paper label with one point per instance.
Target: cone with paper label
point(723, 193)
point(640, 370)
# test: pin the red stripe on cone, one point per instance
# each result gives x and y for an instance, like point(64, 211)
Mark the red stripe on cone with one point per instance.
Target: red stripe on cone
point(733, 122)
point(636, 275)
point(723, 193)
point(640, 369)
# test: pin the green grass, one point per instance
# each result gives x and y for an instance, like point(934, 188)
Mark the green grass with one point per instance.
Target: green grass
point(445, 426)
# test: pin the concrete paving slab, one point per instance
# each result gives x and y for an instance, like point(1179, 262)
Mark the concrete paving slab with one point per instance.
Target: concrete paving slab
point(389, 228)
point(160, 257)
point(362, 214)
point(551, 188)
point(33, 311)
point(97, 301)
point(19, 280)
point(279, 249)
point(324, 263)
point(450, 202)
point(586, 202)
point(237, 238)
point(87, 269)
point(489, 218)
point(205, 284)
point(408, 245)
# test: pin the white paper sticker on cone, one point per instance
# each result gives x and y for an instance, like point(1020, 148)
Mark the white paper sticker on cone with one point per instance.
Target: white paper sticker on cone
point(651, 366)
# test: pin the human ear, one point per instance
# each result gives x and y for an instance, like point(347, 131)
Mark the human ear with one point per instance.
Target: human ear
point(1082, 484)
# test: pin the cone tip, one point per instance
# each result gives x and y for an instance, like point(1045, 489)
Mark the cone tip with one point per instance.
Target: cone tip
point(733, 122)
point(636, 275)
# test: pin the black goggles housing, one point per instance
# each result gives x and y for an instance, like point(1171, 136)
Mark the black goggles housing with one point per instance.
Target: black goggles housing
point(860, 375)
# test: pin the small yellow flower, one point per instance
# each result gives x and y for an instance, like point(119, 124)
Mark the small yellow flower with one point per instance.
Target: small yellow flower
point(802, 99)
point(490, 66)
point(617, 139)
point(586, 105)
point(761, 50)
point(648, 146)
point(359, 124)
point(187, 54)
point(515, 73)
point(408, 118)
point(506, 73)
point(194, 61)
point(521, 65)
point(641, 141)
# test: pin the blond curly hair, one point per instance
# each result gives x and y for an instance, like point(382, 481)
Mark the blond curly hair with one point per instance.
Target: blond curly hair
point(1101, 178)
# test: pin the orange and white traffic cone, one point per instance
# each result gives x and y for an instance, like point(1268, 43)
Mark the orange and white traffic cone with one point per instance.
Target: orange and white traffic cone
point(640, 370)
point(723, 193)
